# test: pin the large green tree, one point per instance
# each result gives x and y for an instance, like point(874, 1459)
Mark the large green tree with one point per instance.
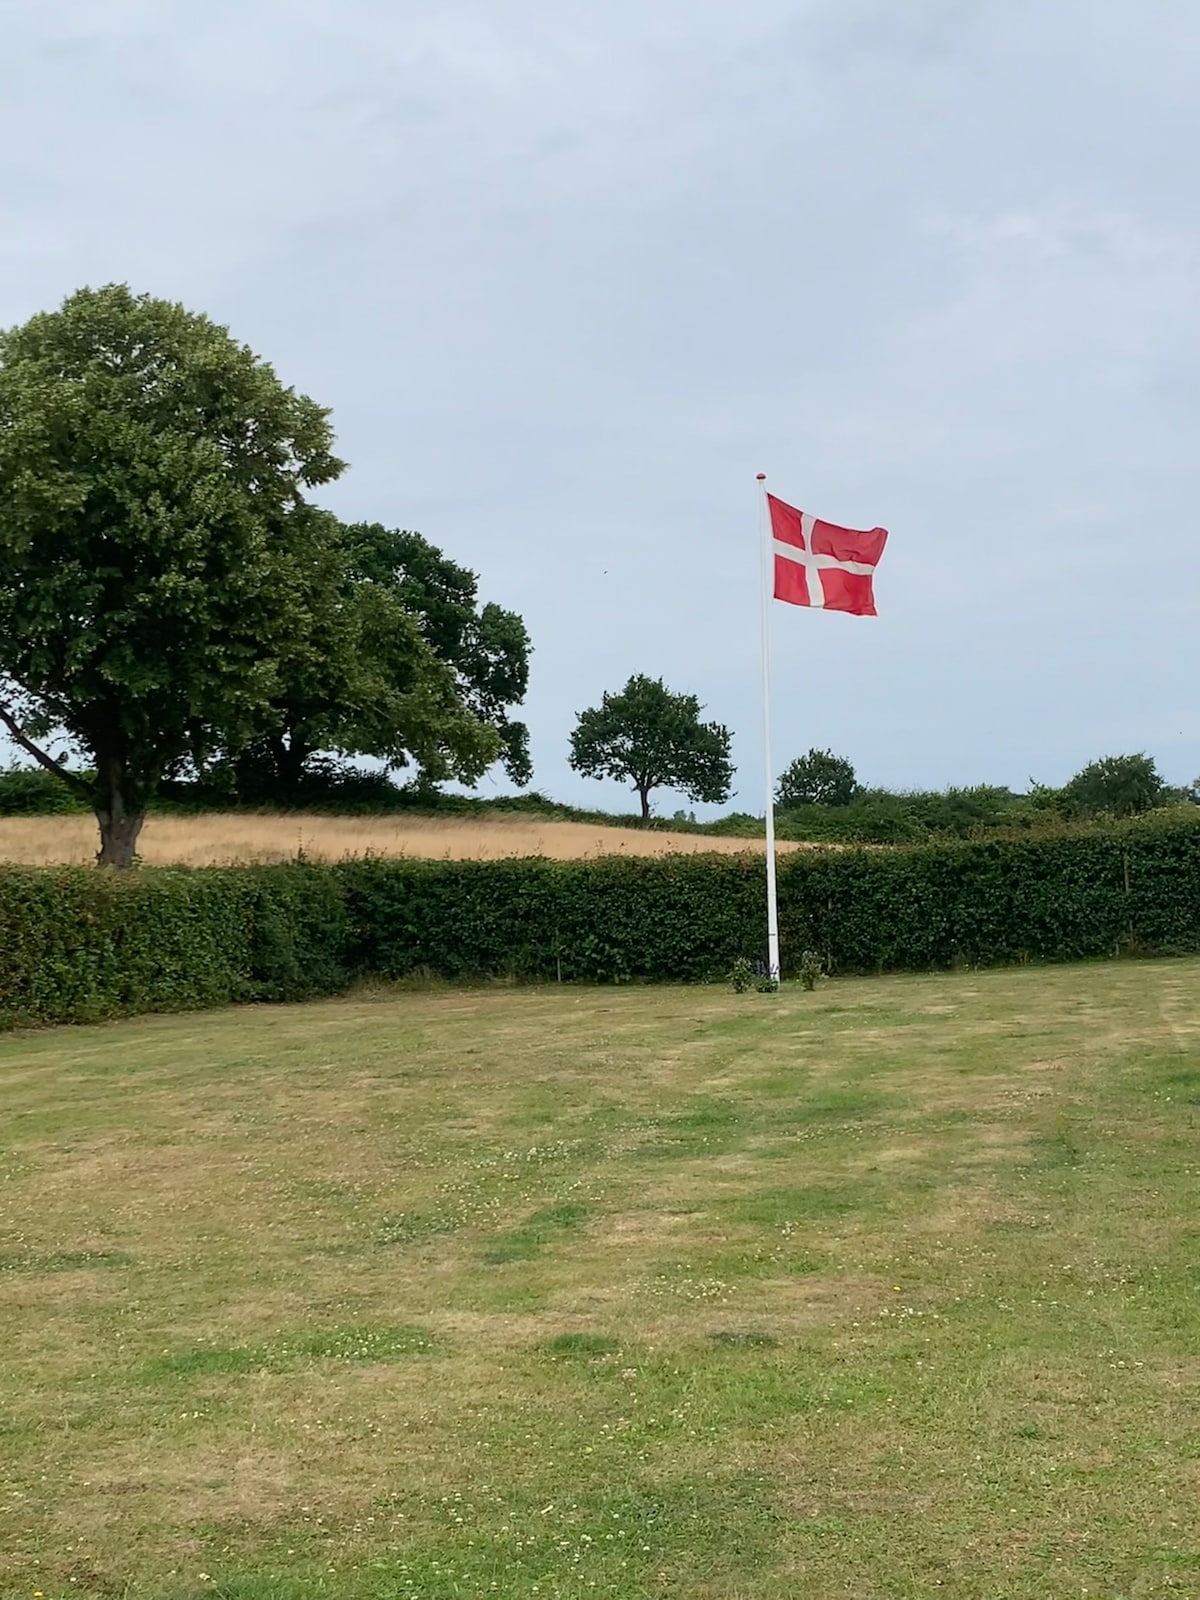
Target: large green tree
point(651, 738)
point(162, 574)
point(364, 681)
point(367, 693)
point(486, 646)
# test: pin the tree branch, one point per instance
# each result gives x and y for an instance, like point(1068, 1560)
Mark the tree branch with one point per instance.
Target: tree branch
point(71, 779)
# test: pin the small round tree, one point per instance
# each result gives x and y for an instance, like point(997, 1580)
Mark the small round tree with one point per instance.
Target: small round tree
point(1120, 786)
point(818, 779)
point(650, 738)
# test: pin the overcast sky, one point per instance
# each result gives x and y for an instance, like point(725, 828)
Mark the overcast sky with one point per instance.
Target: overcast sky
point(570, 274)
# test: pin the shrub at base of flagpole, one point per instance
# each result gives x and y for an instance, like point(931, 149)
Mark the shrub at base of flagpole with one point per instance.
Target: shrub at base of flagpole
point(810, 968)
point(741, 975)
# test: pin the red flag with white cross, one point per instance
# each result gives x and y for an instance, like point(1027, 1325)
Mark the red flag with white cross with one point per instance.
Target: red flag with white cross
point(821, 565)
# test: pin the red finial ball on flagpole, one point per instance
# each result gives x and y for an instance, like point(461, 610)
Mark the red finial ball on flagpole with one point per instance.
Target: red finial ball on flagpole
point(761, 476)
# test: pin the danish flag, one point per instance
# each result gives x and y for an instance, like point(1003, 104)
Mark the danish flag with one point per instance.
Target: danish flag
point(821, 565)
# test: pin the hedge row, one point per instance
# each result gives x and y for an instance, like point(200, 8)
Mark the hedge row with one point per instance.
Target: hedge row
point(1129, 888)
point(77, 944)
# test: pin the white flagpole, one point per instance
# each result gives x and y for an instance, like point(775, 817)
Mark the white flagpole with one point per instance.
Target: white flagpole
point(767, 565)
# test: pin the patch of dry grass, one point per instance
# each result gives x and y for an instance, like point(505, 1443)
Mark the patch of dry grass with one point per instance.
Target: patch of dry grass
point(641, 1293)
point(215, 838)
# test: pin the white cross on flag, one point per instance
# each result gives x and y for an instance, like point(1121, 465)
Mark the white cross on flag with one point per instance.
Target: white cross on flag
point(821, 565)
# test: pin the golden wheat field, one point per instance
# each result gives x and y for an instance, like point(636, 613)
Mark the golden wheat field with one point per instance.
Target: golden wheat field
point(221, 837)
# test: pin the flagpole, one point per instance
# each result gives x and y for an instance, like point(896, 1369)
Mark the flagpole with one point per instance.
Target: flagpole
point(767, 565)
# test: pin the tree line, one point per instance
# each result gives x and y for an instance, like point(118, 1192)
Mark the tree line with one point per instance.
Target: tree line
point(648, 737)
point(819, 796)
point(175, 607)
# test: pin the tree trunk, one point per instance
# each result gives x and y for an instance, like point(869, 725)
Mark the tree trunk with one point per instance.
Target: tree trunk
point(120, 823)
point(118, 838)
point(644, 797)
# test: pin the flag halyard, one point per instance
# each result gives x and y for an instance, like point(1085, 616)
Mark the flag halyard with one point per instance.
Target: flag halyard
point(821, 565)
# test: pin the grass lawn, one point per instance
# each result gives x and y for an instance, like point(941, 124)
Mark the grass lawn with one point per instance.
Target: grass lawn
point(889, 1290)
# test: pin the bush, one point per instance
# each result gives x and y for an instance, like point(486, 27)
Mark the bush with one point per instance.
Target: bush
point(874, 817)
point(817, 779)
point(326, 785)
point(34, 792)
point(1117, 786)
point(741, 975)
point(879, 816)
point(809, 969)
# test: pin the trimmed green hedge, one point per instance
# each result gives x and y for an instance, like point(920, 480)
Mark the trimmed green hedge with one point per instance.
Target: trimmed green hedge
point(77, 944)
point(984, 903)
point(608, 920)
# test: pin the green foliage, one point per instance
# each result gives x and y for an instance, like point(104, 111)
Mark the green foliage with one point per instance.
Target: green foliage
point(322, 785)
point(607, 920)
point(1043, 797)
point(158, 560)
point(879, 816)
point(406, 668)
point(34, 792)
point(81, 945)
point(486, 646)
point(327, 785)
point(1117, 786)
point(809, 969)
point(741, 975)
point(817, 779)
point(651, 738)
point(1128, 887)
